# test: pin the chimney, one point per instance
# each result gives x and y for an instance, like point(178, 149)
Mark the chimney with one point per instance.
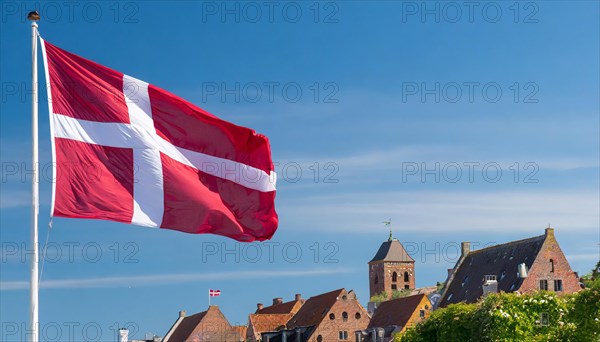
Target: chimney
point(298, 297)
point(465, 248)
point(123, 335)
point(259, 306)
point(182, 313)
point(549, 231)
point(277, 301)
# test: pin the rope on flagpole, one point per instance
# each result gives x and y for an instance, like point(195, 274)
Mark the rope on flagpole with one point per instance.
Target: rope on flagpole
point(45, 249)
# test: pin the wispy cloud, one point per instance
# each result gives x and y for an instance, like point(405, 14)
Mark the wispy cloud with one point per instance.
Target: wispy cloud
point(161, 279)
point(14, 199)
point(392, 159)
point(438, 211)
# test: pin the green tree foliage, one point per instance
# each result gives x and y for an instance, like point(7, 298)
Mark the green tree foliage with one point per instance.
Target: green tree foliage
point(380, 297)
point(541, 316)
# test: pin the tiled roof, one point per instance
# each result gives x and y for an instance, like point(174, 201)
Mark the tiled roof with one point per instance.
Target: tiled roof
point(396, 311)
point(314, 309)
point(392, 251)
point(283, 308)
point(241, 329)
point(186, 327)
point(268, 322)
point(500, 260)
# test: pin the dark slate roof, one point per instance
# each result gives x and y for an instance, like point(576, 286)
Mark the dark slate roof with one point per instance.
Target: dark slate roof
point(314, 309)
point(283, 308)
point(187, 326)
point(392, 251)
point(395, 311)
point(500, 260)
point(297, 334)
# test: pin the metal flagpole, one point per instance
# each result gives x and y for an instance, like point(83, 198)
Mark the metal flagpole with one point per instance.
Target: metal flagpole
point(34, 285)
point(209, 298)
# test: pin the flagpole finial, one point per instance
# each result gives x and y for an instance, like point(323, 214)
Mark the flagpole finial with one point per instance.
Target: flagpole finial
point(33, 16)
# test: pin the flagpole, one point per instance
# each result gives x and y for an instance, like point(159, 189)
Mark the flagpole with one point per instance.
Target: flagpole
point(34, 282)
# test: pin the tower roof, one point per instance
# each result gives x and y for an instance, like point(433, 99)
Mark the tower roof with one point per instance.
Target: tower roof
point(392, 250)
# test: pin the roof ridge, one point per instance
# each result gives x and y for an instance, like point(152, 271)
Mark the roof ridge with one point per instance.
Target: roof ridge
point(326, 293)
point(507, 244)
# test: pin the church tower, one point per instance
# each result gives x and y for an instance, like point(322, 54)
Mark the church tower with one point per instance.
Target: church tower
point(391, 268)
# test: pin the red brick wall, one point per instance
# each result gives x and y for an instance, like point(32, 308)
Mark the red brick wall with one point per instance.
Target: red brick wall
point(542, 268)
point(214, 327)
point(329, 328)
point(384, 272)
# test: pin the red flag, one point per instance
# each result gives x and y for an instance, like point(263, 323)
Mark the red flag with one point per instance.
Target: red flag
point(214, 293)
point(131, 152)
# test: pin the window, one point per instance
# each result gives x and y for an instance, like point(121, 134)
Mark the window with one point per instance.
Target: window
point(558, 285)
point(394, 287)
point(544, 284)
point(345, 316)
point(319, 338)
point(376, 280)
point(406, 287)
point(394, 277)
point(465, 280)
point(422, 313)
point(406, 277)
point(357, 316)
point(551, 265)
point(503, 275)
point(343, 335)
point(332, 316)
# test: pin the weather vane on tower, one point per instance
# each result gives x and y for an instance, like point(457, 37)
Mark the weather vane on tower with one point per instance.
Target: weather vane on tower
point(388, 223)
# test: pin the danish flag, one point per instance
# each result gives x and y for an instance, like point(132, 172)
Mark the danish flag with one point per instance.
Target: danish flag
point(214, 293)
point(128, 151)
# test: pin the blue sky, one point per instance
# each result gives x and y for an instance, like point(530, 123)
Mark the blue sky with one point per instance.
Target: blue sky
point(369, 94)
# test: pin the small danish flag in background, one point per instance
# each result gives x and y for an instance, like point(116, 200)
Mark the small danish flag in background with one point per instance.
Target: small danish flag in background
point(214, 293)
point(128, 151)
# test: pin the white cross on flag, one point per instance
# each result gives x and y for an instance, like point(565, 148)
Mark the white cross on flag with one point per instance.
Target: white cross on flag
point(214, 293)
point(128, 151)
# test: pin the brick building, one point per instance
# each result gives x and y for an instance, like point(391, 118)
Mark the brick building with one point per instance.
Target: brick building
point(207, 326)
point(331, 316)
point(525, 266)
point(271, 318)
point(394, 316)
point(391, 269)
